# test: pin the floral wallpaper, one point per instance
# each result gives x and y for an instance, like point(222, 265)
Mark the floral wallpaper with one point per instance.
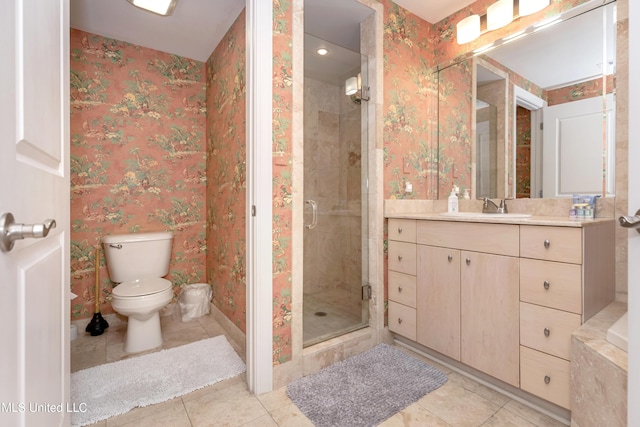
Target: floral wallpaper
point(282, 213)
point(454, 130)
point(226, 174)
point(410, 105)
point(413, 49)
point(137, 157)
point(523, 152)
point(578, 91)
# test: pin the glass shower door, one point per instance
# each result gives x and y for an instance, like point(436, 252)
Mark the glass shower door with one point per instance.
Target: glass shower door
point(335, 194)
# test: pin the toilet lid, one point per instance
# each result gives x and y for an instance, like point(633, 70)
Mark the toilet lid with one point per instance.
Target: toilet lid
point(137, 288)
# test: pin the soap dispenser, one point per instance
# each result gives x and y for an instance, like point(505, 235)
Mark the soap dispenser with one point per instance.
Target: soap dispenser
point(453, 202)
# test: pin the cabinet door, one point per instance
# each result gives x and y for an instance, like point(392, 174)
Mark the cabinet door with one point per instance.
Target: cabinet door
point(438, 299)
point(490, 314)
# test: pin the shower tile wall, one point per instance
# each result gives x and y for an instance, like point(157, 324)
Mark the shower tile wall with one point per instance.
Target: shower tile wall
point(332, 177)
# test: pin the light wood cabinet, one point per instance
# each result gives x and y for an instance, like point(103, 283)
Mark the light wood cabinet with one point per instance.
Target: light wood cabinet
point(438, 299)
point(468, 295)
point(489, 315)
point(402, 277)
point(566, 276)
point(503, 299)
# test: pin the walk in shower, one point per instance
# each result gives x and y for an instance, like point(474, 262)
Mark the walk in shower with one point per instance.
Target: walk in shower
point(335, 192)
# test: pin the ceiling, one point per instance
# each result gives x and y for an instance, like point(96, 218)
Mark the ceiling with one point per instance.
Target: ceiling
point(197, 26)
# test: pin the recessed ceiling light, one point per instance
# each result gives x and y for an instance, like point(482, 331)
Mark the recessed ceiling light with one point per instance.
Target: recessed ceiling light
point(322, 51)
point(161, 7)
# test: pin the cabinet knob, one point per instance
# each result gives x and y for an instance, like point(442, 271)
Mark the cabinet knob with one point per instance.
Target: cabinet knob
point(399, 230)
point(547, 243)
point(399, 257)
point(547, 379)
point(450, 257)
point(546, 285)
point(468, 261)
point(546, 332)
point(399, 288)
point(399, 321)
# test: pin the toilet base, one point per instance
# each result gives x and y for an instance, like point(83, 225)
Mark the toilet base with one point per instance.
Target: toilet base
point(143, 335)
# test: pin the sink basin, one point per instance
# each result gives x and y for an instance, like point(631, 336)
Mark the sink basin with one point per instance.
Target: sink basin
point(484, 215)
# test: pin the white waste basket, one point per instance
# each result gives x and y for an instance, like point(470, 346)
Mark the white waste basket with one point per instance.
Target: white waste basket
point(194, 301)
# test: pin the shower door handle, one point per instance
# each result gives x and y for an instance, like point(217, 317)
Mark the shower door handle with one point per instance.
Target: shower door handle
point(314, 212)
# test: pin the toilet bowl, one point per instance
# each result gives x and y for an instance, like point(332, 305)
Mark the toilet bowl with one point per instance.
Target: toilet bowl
point(137, 262)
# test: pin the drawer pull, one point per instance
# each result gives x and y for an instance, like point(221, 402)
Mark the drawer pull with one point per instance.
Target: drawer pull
point(546, 332)
point(399, 257)
point(450, 257)
point(468, 261)
point(547, 243)
point(399, 289)
point(546, 284)
point(399, 321)
point(547, 379)
point(399, 230)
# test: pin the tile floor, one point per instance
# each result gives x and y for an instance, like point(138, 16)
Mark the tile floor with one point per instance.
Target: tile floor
point(343, 313)
point(460, 402)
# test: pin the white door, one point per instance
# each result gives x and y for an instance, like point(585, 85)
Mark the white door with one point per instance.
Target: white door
point(573, 150)
point(34, 186)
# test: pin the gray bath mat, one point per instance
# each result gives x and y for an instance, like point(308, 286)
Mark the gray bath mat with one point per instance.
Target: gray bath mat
point(365, 389)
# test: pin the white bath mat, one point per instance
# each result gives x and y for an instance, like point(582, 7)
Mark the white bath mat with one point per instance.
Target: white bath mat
point(115, 388)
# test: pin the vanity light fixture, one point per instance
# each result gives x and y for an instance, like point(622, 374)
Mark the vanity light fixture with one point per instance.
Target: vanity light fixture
point(160, 7)
point(499, 14)
point(322, 51)
point(468, 29)
point(528, 7)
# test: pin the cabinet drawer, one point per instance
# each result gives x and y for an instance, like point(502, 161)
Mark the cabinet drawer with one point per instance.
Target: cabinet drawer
point(545, 376)
point(402, 320)
point(402, 257)
point(402, 288)
point(499, 239)
point(403, 230)
point(547, 330)
point(551, 284)
point(562, 244)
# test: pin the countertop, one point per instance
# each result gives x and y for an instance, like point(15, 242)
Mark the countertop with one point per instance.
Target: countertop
point(498, 219)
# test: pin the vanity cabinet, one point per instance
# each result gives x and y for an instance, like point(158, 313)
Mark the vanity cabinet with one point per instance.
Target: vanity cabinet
point(468, 294)
point(566, 276)
point(438, 299)
point(402, 277)
point(501, 298)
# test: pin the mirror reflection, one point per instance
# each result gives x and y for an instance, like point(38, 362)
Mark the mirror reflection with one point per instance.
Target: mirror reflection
point(535, 111)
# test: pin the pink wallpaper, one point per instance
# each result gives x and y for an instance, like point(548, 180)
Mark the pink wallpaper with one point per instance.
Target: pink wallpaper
point(410, 103)
point(226, 175)
point(137, 157)
point(523, 152)
point(282, 141)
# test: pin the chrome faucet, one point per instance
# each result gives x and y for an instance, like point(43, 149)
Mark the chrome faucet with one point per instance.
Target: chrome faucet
point(489, 206)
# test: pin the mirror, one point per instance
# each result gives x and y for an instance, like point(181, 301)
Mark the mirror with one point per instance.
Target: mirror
point(525, 119)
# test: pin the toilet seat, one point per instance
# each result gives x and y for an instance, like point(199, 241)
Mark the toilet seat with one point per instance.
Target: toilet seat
point(142, 287)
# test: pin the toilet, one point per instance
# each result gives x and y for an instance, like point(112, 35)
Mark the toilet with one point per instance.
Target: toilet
point(137, 263)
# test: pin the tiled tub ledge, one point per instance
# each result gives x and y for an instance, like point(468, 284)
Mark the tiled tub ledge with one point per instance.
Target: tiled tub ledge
point(598, 373)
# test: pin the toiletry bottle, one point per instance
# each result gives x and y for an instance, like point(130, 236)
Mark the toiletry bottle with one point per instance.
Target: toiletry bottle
point(453, 202)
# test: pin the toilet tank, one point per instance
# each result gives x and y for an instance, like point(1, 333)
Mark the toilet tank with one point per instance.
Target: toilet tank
point(137, 256)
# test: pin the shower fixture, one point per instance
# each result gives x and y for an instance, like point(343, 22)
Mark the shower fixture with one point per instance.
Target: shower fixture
point(354, 89)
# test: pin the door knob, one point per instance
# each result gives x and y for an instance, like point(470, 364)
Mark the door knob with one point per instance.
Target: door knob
point(631, 221)
point(10, 231)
